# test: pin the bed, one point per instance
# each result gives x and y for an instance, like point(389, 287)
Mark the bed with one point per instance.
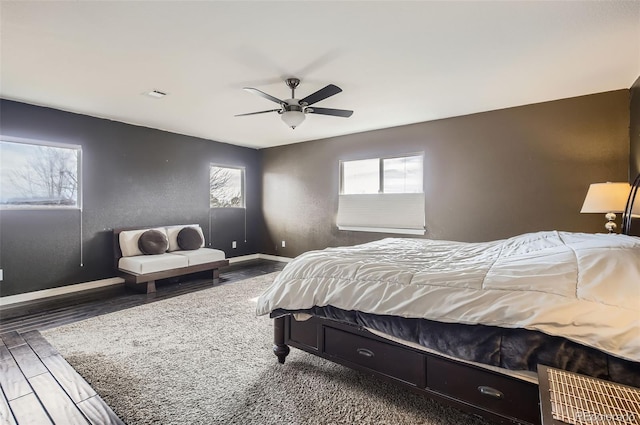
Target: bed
point(468, 323)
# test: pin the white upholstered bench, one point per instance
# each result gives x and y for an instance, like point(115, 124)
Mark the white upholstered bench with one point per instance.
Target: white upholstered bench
point(144, 255)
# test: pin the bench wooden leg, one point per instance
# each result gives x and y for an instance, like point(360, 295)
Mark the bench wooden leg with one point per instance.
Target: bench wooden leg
point(216, 276)
point(146, 287)
point(151, 286)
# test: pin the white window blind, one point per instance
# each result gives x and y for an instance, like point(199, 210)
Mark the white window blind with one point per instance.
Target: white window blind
point(382, 195)
point(401, 213)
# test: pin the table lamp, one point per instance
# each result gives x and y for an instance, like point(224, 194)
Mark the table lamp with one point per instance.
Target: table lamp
point(608, 198)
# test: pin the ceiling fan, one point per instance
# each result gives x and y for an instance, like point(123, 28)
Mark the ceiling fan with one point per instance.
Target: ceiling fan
point(293, 110)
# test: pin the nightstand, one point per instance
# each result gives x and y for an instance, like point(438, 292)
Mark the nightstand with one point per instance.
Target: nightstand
point(570, 398)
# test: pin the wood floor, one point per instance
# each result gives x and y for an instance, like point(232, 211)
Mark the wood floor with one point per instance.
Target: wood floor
point(37, 384)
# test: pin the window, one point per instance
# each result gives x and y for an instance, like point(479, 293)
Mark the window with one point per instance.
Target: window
point(382, 195)
point(402, 175)
point(36, 174)
point(361, 176)
point(226, 185)
point(382, 175)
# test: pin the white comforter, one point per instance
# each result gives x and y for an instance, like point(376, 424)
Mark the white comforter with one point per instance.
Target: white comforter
point(584, 287)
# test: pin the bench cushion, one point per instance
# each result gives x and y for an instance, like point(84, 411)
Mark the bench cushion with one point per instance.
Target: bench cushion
point(129, 241)
point(172, 234)
point(153, 242)
point(142, 264)
point(201, 256)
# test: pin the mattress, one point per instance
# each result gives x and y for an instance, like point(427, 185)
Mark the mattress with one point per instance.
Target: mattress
point(528, 376)
point(580, 287)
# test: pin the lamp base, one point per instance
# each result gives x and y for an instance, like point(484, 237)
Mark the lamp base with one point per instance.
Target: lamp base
point(611, 226)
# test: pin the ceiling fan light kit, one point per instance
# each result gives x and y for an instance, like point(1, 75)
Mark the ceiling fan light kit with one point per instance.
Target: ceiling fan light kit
point(293, 111)
point(293, 118)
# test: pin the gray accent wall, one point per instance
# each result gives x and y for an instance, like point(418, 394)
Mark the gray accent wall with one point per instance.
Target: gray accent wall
point(132, 176)
point(486, 176)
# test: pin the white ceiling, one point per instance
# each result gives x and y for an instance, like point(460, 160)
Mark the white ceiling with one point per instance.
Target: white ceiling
point(397, 62)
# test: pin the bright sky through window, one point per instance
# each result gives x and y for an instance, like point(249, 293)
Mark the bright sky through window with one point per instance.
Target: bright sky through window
point(361, 176)
point(402, 175)
point(382, 175)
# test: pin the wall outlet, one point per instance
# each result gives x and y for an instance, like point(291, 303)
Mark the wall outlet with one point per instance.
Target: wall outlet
point(234, 245)
point(283, 244)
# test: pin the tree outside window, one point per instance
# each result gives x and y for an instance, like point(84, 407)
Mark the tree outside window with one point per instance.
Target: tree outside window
point(226, 187)
point(36, 175)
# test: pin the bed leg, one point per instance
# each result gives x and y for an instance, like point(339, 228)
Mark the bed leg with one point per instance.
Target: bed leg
point(216, 276)
point(280, 349)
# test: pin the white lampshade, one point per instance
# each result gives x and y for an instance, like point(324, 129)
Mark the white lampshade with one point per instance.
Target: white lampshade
point(606, 197)
point(293, 118)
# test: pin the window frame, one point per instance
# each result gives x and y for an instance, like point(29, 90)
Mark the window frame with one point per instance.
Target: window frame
point(382, 212)
point(46, 143)
point(243, 190)
point(381, 160)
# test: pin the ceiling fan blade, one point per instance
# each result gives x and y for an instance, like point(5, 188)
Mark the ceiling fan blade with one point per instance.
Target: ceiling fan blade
point(259, 112)
point(328, 111)
point(321, 94)
point(265, 95)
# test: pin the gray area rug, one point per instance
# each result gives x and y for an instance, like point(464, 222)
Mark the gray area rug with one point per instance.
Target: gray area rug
point(205, 358)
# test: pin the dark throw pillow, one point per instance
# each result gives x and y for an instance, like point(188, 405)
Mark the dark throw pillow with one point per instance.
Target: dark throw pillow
point(153, 242)
point(189, 239)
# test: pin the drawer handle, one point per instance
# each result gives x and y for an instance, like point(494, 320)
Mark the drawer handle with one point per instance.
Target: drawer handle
point(365, 352)
point(490, 392)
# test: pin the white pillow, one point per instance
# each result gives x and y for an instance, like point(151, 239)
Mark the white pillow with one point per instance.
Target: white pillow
point(172, 235)
point(129, 241)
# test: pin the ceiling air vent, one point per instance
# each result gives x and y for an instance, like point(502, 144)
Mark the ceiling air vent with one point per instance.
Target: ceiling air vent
point(157, 94)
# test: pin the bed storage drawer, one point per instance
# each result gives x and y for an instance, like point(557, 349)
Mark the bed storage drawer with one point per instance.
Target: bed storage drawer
point(303, 332)
point(497, 393)
point(388, 359)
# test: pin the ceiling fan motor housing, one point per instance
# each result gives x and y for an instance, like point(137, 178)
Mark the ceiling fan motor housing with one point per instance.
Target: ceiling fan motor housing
point(292, 105)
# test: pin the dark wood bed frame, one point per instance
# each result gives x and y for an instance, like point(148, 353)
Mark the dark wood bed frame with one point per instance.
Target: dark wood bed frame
point(495, 396)
point(492, 395)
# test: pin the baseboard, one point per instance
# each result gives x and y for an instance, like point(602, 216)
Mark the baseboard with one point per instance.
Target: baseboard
point(12, 300)
point(250, 257)
point(62, 290)
point(275, 258)
point(243, 258)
